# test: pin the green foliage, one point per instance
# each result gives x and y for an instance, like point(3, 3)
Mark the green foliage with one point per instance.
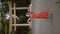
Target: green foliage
point(30, 32)
point(4, 24)
point(0, 22)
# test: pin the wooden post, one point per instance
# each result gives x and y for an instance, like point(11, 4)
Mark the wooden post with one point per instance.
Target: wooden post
point(14, 17)
point(10, 12)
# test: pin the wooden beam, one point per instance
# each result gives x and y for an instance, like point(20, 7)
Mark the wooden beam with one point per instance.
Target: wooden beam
point(20, 24)
point(21, 8)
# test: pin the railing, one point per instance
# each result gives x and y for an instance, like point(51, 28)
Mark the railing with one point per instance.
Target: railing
point(10, 11)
